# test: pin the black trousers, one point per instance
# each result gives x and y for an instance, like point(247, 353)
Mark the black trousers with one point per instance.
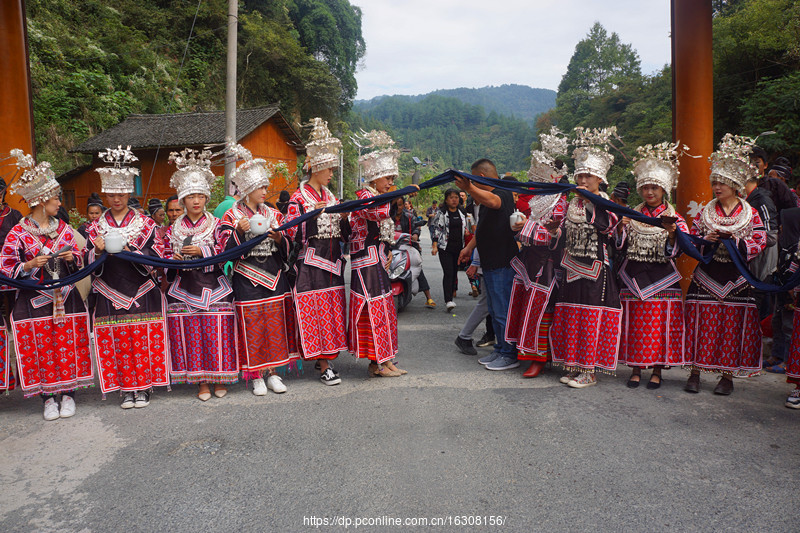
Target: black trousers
point(449, 261)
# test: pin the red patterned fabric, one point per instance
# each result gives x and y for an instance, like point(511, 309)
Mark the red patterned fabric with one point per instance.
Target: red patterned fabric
point(722, 336)
point(793, 357)
point(526, 312)
point(321, 320)
point(359, 219)
point(652, 330)
point(585, 337)
point(6, 376)
point(266, 332)
point(542, 351)
point(373, 327)
point(132, 355)
point(53, 358)
point(202, 345)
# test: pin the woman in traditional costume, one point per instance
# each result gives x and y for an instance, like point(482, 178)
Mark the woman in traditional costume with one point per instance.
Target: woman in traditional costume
point(9, 217)
point(584, 337)
point(94, 208)
point(723, 333)
point(652, 300)
point(200, 317)
point(266, 329)
point(372, 324)
point(530, 310)
point(50, 327)
point(319, 296)
point(130, 332)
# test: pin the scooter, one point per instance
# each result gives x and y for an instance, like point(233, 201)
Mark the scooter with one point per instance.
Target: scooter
point(404, 270)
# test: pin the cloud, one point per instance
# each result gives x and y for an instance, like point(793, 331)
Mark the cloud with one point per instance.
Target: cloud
point(417, 46)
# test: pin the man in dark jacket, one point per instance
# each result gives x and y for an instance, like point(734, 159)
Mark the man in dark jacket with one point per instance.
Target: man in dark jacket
point(764, 264)
point(780, 193)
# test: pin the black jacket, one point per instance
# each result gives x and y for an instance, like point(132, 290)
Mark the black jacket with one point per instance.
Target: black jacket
point(780, 193)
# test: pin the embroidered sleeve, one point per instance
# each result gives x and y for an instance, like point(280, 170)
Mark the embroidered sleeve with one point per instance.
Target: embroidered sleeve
point(69, 240)
point(293, 211)
point(12, 256)
point(169, 253)
point(375, 214)
point(229, 236)
point(754, 245)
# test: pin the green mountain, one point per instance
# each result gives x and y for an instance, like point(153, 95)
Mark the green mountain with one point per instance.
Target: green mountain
point(448, 131)
point(511, 100)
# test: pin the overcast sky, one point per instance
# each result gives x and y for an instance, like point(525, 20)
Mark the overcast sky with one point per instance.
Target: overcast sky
point(416, 46)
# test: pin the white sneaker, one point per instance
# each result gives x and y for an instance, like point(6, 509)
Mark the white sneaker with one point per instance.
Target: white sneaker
point(450, 306)
point(67, 406)
point(566, 378)
point(259, 387)
point(275, 384)
point(51, 409)
point(128, 401)
point(584, 379)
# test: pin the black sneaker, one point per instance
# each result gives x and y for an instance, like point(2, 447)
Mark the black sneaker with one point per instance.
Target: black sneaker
point(317, 366)
point(486, 340)
point(329, 378)
point(142, 399)
point(465, 346)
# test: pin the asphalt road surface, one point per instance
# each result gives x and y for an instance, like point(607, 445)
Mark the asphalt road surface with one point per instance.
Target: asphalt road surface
point(450, 444)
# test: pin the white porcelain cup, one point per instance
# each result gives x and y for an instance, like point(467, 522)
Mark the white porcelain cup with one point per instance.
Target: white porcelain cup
point(515, 218)
point(258, 224)
point(115, 241)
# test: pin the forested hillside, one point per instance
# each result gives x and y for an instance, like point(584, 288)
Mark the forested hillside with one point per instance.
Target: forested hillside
point(512, 100)
point(450, 132)
point(94, 62)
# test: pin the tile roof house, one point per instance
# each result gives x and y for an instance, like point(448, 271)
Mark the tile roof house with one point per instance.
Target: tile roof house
point(264, 131)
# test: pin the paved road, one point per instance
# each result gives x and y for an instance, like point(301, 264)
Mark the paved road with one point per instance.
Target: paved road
point(447, 441)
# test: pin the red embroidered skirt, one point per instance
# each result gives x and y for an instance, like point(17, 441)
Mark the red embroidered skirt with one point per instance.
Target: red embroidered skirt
point(321, 320)
point(202, 344)
point(6, 376)
point(528, 324)
point(51, 357)
point(132, 352)
point(793, 357)
point(722, 336)
point(652, 329)
point(373, 327)
point(267, 333)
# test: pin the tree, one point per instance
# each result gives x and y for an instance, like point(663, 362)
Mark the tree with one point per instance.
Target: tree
point(600, 63)
point(330, 30)
point(754, 41)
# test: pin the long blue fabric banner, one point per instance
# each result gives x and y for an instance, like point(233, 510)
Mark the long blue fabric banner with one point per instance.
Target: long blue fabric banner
point(689, 244)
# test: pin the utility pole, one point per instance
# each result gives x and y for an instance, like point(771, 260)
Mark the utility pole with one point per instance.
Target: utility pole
point(230, 88)
point(341, 174)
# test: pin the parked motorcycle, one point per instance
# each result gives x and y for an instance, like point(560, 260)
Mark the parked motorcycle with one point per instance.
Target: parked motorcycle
point(404, 270)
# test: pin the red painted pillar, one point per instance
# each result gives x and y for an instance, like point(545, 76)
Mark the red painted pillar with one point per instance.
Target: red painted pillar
point(692, 103)
point(16, 118)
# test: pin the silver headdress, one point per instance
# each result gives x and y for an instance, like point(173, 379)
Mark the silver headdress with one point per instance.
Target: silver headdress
point(543, 161)
point(658, 165)
point(383, 161)
point(730, 164)
point(119, 177)
point(323, 149)
point(37, 183)
point(194, 175)
point(591, 153)
point(251, 174)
